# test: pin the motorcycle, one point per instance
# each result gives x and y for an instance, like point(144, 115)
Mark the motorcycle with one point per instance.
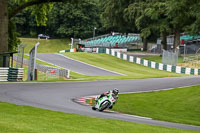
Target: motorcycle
point(105, 102)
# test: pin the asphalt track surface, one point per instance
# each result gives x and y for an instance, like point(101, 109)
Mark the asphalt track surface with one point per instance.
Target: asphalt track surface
point(59, 96)
point(73, 65)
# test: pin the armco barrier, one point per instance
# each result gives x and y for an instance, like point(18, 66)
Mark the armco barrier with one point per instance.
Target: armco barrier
point(11, 74)
point(152, 64)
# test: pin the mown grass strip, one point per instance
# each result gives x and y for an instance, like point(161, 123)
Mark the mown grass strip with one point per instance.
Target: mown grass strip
point(179, 105)
point(131, 70)
point(25, 119)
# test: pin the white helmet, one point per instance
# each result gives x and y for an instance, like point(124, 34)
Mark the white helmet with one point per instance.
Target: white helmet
point(115, 91)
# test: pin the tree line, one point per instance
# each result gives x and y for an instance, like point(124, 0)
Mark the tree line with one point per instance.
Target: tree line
point(77, 18)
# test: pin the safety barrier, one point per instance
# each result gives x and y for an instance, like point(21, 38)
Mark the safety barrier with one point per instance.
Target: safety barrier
point(152, 64)
point(45, 68)
point(15, 74)
point(11, 74)
point(4, 74)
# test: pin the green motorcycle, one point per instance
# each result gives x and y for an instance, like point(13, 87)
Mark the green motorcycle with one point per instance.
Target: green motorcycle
point(105, 102)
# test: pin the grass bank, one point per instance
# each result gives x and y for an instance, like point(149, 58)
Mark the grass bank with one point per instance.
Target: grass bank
point(46, 46)
point(131, 70)
point(179, 105)
point(25, 119)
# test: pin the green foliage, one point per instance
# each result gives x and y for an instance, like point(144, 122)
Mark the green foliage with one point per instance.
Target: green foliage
point(13, 41)
point(73, 20)
point(40, 12)
point(60, 20)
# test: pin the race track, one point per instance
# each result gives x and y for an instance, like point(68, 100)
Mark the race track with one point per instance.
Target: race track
point(58, 96)
point(73, 65)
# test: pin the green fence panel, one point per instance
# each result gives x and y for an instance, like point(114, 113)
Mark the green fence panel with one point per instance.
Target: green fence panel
point(183, 70)
point(173, 68)
point(192, 71)
point(157, 65)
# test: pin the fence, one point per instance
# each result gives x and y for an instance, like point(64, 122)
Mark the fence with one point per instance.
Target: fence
point(11, 74)
point(170, 57)
point(45, 70)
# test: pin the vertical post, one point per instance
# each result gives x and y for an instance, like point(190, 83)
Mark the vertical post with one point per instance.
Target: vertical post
point(68, 74)
point(94, 32)
point(72, 43)
point(32, 62)
point(184, 52)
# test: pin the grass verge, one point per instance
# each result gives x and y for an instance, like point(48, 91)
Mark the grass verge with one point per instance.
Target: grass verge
point(46, 46)
point(179, 105)
point(25, 119)
point(131, 70)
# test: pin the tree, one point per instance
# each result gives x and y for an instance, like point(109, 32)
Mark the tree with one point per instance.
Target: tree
point(135, 12)
point(64, 20)
point(7, 12)
point(69, 20)
point(179, 12)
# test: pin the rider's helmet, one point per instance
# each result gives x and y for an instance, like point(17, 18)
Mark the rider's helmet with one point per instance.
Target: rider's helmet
point(115, 91)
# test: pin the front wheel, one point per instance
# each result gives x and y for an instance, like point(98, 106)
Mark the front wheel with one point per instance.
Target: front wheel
point(104, 105)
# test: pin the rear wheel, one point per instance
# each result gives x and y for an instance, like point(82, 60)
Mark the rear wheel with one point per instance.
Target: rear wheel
point(93, 108)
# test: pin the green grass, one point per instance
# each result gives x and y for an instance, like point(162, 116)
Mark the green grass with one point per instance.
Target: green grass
point(180, 105)
point(25, 119)
point(131, 70)
point(46, 46)
point(159, 59)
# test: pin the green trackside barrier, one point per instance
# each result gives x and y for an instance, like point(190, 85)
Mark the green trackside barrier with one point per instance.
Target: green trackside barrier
point(15, 74)
point(174, 69)
point(134, 59)
point(149, 63)
point(192, 71)
point(128, 57)
point(157, 65)
point(121, 56)
point(142, 61)
point(165, 67)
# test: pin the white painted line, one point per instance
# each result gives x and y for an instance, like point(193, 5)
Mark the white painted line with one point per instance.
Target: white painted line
point(169, 68)
point(187, 70)
point(140, 117)
point(138, 60)
point(118, 54)
point(91, 65)
point(153, 64)
point(125, 56)
point(178, 69)
point(196, 71)
point(160, 66)
point(131, 59)
point(145, 62)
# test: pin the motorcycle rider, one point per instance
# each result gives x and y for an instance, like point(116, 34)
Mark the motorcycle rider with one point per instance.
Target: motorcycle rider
point(114, 93)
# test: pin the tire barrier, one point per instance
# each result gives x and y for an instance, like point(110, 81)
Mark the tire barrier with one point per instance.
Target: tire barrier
point(11, 74)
